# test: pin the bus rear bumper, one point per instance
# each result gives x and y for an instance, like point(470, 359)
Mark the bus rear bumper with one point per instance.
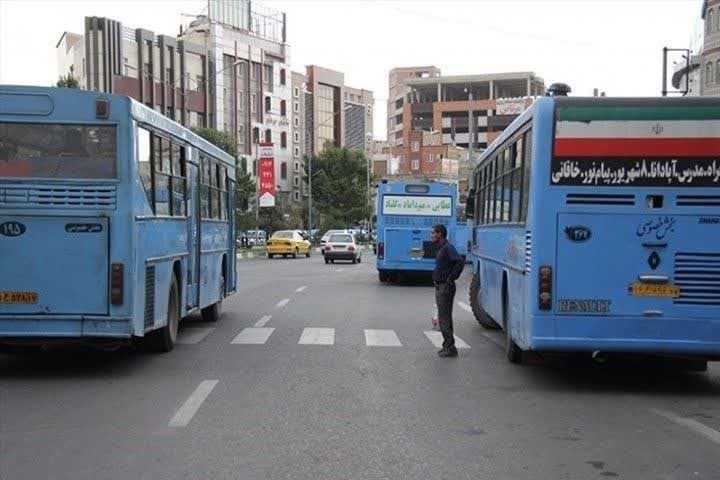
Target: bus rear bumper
point(671, 336)
point(29, 327)
point(413, 266)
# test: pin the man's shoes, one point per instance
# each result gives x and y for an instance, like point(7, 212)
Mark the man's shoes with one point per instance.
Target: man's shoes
point(448, 352)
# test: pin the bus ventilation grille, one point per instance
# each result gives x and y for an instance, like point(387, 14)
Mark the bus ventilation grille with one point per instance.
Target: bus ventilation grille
point(698, 201)
point(528, 251)
point(54, 196)
point(149, 296)
point(698, 276)
point(598, 199)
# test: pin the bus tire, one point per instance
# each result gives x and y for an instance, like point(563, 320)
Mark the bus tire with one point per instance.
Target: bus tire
point(480, 315)
point(383, 276)
point(513, 351)
point(163, 340)
point(212, 313)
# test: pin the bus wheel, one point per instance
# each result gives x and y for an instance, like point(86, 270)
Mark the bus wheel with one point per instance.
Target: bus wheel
point(480, 315)
point(213, 312)
point(383, 276)
point(514, 353)
point(163, 340)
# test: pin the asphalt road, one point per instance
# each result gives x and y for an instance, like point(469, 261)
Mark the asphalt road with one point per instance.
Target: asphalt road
point(257, 396)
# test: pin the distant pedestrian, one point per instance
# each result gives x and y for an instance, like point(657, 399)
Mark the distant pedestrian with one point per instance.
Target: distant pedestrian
point(448, 267)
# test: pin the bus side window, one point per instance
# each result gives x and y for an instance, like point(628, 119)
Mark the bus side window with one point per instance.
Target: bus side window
point(204, 188)
point(161, 162)
point(516, 184)
point(144, 160)
point(527, 157)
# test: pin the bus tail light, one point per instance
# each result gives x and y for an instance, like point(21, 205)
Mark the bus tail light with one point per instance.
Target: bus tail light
point(545, 287)
point(116, 283)
point(381, 251)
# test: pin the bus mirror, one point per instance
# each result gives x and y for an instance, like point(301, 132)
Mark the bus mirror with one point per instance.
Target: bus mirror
point(470, 204)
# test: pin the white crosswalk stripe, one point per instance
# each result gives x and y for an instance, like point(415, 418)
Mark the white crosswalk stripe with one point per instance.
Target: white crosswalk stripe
point(253, 336)
point(437, 339)
point(317, 336)
point(382, 338)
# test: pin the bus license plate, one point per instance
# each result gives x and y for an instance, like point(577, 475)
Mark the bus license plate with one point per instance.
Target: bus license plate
point(650, 290)
point(416, 253)
point(19, 297)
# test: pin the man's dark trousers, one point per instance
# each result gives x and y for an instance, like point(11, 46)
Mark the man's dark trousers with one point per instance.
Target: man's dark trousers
point(444, 298)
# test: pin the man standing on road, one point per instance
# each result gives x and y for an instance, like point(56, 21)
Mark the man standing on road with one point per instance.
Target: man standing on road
point(448, 267)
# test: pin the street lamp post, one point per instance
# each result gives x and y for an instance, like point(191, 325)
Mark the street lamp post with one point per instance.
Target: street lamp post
point(310, 157)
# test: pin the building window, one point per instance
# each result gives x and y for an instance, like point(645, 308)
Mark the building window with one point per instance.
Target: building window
point(709, 21)
point(415, 165)
point(268, 104)
point(200, 83)
point(296, 92)
point(296, 135)
point(283, 108)
point(296, 167)
point(296, 121)
point(283, 140)
point(296, 181)
point(415, 146)
point(256, 135)
point(268, 136)
point(283, 170)
point(268, 78)
point(296, 196)
point(708, 74)
point(296, 152)
point(296, 107)
point(282, 76)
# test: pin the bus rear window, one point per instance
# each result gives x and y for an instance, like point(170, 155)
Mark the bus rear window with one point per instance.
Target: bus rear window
point(51, 150)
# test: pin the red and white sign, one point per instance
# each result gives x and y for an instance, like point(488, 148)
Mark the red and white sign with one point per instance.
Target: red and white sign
point(266, 175)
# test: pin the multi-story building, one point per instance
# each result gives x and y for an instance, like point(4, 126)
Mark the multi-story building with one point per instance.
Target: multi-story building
point(700, 75)
point(299, 151)
point(466, 112)
point(710, 63)
point(336, 115)
point(396, 98)
point(228, 70)
point(162, 72)
point(252, 79)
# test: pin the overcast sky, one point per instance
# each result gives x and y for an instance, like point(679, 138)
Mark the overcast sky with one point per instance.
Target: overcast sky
point(614, 45)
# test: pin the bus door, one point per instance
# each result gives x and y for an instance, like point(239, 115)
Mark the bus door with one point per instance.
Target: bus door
point(193, 231)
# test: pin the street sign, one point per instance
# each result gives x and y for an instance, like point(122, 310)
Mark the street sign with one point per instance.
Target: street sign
point(266, 175)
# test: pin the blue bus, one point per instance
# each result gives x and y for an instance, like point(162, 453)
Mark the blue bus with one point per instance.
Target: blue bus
point(115, 221)
point(406, 213)
point(597, 229)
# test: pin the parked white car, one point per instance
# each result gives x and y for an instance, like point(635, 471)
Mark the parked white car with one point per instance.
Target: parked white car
point(342, 246)
point(325, 238)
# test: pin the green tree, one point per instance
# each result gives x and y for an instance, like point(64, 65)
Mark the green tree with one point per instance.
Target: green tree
point(69, 80)
point(339, 187)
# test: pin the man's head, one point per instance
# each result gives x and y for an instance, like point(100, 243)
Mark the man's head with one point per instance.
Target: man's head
point(438, 232)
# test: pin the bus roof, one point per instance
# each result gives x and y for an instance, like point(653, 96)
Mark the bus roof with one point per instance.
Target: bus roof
point(34, 102)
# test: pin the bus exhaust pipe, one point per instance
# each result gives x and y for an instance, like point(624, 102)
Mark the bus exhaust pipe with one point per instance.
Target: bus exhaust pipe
point(599, 357)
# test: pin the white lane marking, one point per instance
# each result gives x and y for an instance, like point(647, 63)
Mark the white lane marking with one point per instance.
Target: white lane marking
point(697, 427)
point(253, 336)
point(436, 339)
point(382, 338)
point(282, 303)
point(300, 289)
point(465, 306)
point(188, 410)
point(263, 321)
point(317, 336)
point(339, 270)
point(193, 335)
